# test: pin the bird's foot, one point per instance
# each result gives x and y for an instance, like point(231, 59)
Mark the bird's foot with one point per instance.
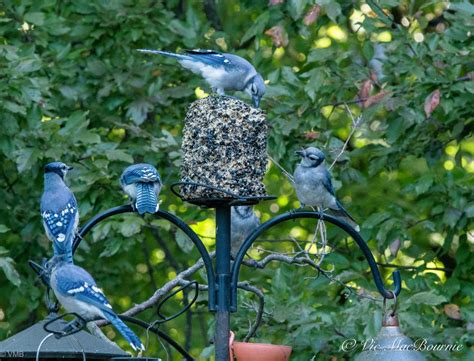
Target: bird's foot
point(320, 212)
point(294, 211)
point(53, 306)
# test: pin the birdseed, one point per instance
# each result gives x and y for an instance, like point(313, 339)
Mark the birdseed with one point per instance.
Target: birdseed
point(224, 146)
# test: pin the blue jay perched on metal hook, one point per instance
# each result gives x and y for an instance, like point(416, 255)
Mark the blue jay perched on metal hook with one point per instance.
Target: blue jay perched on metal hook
point(59, 209)
point(243, 222)
point(221, 70)
point(77, 291)
point(314, 186)
point(142, 183)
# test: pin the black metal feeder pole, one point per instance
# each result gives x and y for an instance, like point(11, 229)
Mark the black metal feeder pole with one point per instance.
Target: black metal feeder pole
point(221, 340)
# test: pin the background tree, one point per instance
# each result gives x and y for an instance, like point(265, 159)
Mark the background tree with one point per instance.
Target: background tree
point(385, 87)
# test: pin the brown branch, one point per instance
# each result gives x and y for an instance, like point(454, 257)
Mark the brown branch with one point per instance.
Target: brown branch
point(414, 268)
point(281, 258)
point(160, 292)
point(181, 280)
point(261, 305)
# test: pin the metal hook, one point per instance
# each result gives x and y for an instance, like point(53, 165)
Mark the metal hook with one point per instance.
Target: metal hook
point(69, 329)
point(184, 309)
point(395, 305)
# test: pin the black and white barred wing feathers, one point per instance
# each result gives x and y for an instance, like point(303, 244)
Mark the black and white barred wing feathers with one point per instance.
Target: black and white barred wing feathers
point(61, 225)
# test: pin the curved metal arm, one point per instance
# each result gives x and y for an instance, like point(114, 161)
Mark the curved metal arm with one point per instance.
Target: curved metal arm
point(151, 327)
point(184, 309)
point(337, 222)
point(172, 219)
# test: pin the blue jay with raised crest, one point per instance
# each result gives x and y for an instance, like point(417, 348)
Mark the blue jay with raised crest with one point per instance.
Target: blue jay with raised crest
point(142, 183)
point(314, 186)
point(222, 71)
point(77, 292)
point(59, 209)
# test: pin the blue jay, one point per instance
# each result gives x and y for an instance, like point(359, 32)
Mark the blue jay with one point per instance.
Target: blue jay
point(243, 222)
point(221, 70)
point(142, 183)
point(59, 209)
point(314, 187)
point(77, 291)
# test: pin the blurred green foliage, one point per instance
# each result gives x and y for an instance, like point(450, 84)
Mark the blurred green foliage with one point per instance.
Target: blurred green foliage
point(73, 88)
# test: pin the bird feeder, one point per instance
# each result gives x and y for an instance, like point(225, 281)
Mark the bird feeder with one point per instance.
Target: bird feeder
point(27, 344)
point(391, 344)
point(225, 148)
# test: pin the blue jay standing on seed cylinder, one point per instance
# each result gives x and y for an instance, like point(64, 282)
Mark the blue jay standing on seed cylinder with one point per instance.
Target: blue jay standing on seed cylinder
point(142, 183)
point(314, 186)
point(59, 210)
point(77, 291)
point(222, 71)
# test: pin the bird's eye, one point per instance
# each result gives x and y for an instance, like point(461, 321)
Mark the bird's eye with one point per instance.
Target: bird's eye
point(313, 157)
point(253, 89)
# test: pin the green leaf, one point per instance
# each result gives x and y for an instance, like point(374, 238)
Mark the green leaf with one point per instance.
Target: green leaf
point(297, 7)
point(138, 110)
point(429, 298)
point(26, 158)
point(257, 28)
point(387, 20)
point(452, 216)
point(465, 7)
point(88, 137)
point(28, 66)
point(375, 219)
point(36, 18)
point(112, 247)
point(131, 225)
point(184, 242)
point(14, 107)
point(333, 10)
point(74, 123)
point(6, 263)
point(3, 228)
point(423, 184)
point(119, 154)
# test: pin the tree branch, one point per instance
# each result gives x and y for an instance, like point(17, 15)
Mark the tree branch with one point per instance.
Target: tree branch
point(261, 305)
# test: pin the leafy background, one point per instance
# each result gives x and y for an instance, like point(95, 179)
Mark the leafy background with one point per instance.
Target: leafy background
point(74, 88)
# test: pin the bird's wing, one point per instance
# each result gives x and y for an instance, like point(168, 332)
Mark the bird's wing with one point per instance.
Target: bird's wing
point(75, 282)
point(143, 174)
point(60, 222)
point(327, 183)
point(92, 295)
point(214, 59)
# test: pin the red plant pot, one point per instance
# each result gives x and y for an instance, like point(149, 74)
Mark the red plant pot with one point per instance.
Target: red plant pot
point(247, 351)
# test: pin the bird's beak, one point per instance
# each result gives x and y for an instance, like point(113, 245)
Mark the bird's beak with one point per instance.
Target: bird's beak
point(256, 101)
point(300, 152)
point(70, 168)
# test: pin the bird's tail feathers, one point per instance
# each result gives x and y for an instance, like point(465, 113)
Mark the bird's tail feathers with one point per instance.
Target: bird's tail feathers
point(147, 201)
point(64, 249)
point(165, 53)
point(341, 212)
point(126, 332)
